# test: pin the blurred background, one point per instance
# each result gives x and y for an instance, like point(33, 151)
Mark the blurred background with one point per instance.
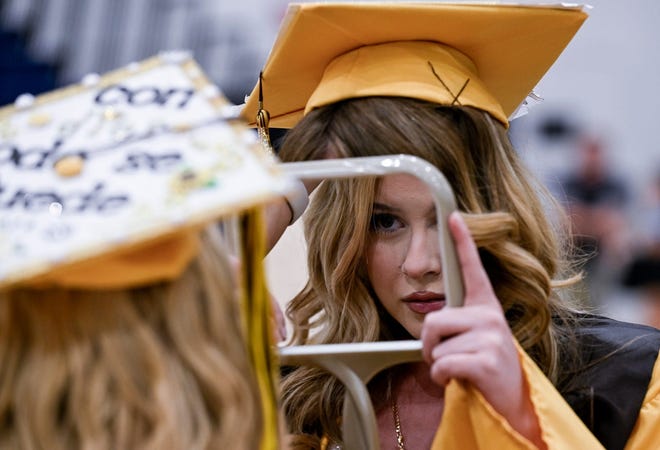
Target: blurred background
point(592, 140)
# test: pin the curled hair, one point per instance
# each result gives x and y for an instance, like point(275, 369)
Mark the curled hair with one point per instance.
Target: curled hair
point(520, 247)
point(162, 366)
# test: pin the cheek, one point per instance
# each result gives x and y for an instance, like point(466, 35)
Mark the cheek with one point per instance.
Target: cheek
point(382, 264)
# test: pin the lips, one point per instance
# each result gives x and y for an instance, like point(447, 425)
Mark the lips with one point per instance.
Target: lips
point(424, 302)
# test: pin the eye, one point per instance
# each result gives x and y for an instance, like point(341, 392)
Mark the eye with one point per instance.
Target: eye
point(385, 223)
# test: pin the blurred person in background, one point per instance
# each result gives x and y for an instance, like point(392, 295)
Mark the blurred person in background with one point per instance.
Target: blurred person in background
point(596, 200)
point(643, 271)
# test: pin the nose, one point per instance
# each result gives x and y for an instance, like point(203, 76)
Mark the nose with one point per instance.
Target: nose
point(422, 258)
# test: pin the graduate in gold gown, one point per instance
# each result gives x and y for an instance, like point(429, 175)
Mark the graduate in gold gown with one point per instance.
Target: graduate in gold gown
point(518, 366)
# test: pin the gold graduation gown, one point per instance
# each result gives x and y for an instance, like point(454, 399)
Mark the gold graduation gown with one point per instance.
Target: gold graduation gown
point(470, 423)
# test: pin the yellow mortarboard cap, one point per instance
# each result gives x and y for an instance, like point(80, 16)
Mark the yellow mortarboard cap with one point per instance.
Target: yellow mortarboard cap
point(483, 55)
point(105, 184)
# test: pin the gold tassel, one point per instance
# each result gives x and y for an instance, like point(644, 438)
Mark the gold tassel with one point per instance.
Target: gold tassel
point(257, 314)
point(263, 118)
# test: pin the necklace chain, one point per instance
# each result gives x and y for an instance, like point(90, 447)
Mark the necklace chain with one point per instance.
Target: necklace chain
point(397, 426)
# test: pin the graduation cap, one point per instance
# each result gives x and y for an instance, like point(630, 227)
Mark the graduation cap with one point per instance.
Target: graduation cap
point(106, 184)
point(489, 56)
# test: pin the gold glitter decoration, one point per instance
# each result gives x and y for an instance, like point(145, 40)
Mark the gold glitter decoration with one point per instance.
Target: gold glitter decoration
point(39, 119)
point(181, 127)
point(189, 180)
point(69, 166)
point(229, 159)
point(110, 114)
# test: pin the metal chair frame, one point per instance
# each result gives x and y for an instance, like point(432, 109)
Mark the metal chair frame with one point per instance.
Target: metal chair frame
point(355, 364)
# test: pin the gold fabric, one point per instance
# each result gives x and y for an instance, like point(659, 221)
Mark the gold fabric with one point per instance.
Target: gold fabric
point(645, 435)
point(418, 64)
point(510, 46)
point(160, 260)
point(257, 323)
point(470, 423)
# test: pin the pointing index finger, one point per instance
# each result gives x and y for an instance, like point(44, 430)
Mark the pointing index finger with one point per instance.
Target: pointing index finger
point(478, 289)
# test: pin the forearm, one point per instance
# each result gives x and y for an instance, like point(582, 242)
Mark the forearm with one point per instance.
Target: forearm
point(286, 210)
point(278, 217)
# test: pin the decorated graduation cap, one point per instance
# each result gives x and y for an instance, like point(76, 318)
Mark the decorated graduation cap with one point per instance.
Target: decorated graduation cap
point(106, 184)
point(487, 56)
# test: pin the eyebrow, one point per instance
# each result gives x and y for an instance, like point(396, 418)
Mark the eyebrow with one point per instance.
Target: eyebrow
point(384, 207)
point(391, 209)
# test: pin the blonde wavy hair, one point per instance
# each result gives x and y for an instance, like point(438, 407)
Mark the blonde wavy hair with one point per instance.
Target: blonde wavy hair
point(521, 249)
point(158, 367)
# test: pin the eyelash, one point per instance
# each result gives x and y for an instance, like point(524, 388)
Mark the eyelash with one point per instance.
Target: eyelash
point(377, 223)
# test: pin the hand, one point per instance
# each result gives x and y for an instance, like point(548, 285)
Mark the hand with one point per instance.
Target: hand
point(474, 342)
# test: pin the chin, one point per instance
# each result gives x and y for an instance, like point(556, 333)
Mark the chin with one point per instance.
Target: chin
point(412, 332)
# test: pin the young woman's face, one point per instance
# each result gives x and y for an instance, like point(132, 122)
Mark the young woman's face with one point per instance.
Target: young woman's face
point(403, 256)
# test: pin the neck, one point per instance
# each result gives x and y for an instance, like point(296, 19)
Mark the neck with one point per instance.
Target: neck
point(415, 382)
point(419, 403)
